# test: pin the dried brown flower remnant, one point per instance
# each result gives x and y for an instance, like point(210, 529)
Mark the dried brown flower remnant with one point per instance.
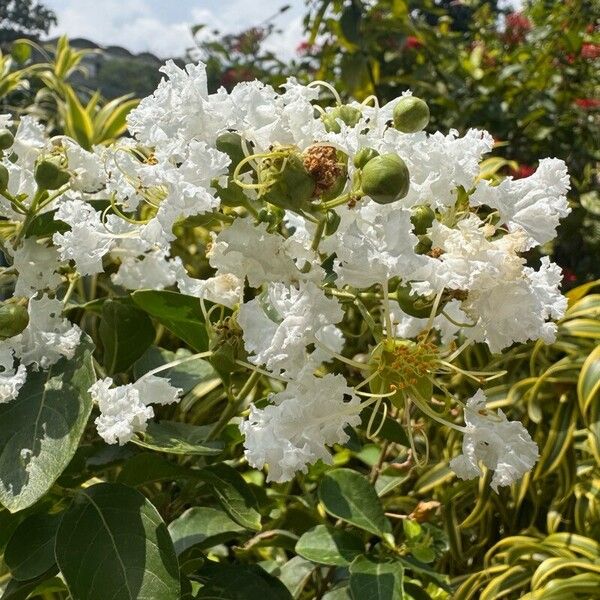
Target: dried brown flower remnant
point(322, 164)
point(435, 252)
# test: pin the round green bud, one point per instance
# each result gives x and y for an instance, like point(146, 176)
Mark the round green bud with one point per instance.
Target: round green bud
point(3, 177)
point(424, 245)
point(422, 217)
point(363, 156)
point(350, 115)
point(49, 175)
point(385, 178)
point(332, 222)
point(6, 139)
point(231, 144)
point(13, 319)
point(411, 114)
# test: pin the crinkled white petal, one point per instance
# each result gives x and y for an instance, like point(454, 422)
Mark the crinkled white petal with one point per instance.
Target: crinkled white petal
point(11, 379)
point(279, 326)
point(37, 266)
point(501, 445)
point(534, 204)
point(294, 430)
point(48, 337)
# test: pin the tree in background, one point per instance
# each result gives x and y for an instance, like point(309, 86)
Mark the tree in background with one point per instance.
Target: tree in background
point(24, 17)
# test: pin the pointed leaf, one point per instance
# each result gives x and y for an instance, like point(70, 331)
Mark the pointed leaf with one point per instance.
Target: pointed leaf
point(370, 580)
point(112, 543)
point(41, 429)
point(348, 495)
point(328, 546)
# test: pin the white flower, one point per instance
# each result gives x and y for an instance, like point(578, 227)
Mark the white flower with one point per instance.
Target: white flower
point(11, 380)
point(295, 429)
point(279, 326)
point(37, 266)
point(437, 163)
point(534, 204)
point(125, 409)
point(247, 250)
point(30, 141)
point(48, 337)
point(152, 271)
point(502, 445)
point(88, 174)
point(88, 239)
point(225, 289)
point(377, 245)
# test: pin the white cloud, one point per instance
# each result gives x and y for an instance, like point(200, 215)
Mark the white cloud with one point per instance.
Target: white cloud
point(134, 25)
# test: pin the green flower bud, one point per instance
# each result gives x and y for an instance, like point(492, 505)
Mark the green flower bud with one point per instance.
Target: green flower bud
point(3, 178)
point(424, 245)
point(422, 217)
point(411, 114)
point(349, 115)
point(231, 144)
point(6, 139)
point(413, 305)
point(385, 178)
point(332, 222)
point(49, 175)
point(13, 319)
point(363, 156)
point(288, 184)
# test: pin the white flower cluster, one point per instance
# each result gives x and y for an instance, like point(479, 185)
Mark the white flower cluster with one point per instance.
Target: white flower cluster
point(310, 210)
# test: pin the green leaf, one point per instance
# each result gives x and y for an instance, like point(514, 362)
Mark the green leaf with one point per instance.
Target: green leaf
point(328, 546)
point(588, 385)
point(204, 527)
point(174, 437)
point(233, 493)
point(295, 574)
point(341, 593)
point(185, 376)
point(147, 467)
point(30, 551)
point(370, 580)
point(21, 590)
point(347, 495)
point(126, 333)
point(112, 543)
point(240, 582)
point(179, 313)
point(41, 429)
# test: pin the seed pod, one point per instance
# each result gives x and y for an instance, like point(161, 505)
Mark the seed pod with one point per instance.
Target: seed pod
point(385, 178)
point(3, 177)
point(288, 184)
point(6, 139)
point(422, 217)
point(231, 144)
point(49, 175)
point(349, 115)
point(363, 156)
point(13, 319)
point(411, 114)
point(332, 222)
point(415, 306)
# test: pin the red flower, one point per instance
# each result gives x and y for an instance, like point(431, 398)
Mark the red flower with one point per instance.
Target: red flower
point(517, 25)
point(590, 51)
point(413, 42)
point(304, 48)
point(569, 276)
point(587, 103)
point(522, 171)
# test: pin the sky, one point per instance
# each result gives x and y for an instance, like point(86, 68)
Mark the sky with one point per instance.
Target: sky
point(163, 26)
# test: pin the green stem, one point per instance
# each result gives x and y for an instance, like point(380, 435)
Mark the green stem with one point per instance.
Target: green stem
point(234, 406)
